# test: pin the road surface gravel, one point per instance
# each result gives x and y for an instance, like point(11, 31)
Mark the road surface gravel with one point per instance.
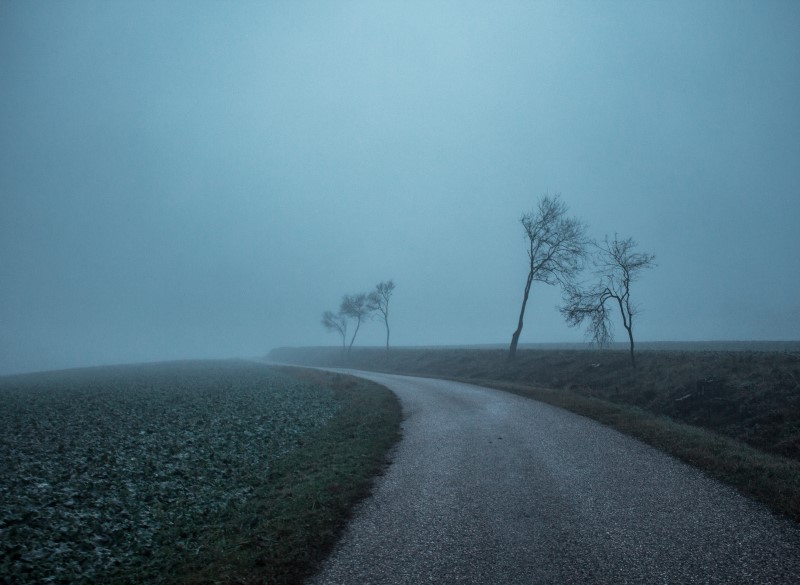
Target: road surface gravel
point(490, 487)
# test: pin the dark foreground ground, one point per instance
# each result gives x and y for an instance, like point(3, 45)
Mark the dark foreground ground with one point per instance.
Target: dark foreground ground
point(735, 414)
point(184, 472)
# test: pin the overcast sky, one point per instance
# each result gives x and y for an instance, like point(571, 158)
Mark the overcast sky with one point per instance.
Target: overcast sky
point(204, 179)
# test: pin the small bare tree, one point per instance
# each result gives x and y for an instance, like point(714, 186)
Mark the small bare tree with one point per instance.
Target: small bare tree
point(556, 251)
point(378, 300)
point(616, 266)
point(356, 307)
point(333, 322)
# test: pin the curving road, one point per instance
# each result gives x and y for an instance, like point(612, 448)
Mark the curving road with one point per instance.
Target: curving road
point(489, 487)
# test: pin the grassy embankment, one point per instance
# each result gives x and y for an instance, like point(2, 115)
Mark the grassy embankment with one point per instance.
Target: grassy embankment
point(734, 414)
point(196, 472)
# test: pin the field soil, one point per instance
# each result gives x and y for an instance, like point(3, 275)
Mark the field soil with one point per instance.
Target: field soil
point(749, 396)
point(183, 472)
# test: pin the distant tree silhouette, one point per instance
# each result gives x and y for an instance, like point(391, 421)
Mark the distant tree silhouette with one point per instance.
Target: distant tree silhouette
point(356, 307)
point(616, 267)
point(556, 251)
point(378, 300)
point(335, 322)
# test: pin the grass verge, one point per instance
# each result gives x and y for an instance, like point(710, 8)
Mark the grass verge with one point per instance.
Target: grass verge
point(291, 523)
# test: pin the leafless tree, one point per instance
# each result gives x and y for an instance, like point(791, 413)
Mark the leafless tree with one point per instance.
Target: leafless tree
point(378, 300)
point(617, 266)
point(333, 322)
point(556, 251)
point(356, 307)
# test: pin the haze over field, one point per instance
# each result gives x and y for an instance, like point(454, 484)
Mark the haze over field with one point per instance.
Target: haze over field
point(204, 179)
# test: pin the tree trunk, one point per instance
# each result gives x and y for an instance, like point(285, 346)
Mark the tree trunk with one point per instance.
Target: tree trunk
point(630, 337)
point(512, 350)
point(627, 322)
point(358, 324)
point(387, 336)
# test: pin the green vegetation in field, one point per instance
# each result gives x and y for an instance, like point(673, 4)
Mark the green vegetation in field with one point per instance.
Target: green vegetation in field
point(127, 474)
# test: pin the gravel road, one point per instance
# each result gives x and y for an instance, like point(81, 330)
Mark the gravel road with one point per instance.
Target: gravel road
point(489, 487)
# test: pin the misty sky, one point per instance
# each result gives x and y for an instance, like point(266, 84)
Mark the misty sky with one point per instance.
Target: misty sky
point(204, 179)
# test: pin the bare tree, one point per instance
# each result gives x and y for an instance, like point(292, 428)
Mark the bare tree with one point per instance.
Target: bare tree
point(355, 306)
point(556, 251)
point(333, 322)
point(378, 300)
point(616, 266)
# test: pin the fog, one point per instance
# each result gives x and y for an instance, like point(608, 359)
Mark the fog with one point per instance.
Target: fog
point(204, 179)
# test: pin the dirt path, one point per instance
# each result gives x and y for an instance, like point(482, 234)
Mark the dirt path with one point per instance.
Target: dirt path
point(489, 487)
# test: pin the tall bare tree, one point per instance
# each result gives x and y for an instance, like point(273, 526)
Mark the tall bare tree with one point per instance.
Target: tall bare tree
point(378, 301)
point(556, 251)
point(617, 266)
point(333, 322)
point(357, 307)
